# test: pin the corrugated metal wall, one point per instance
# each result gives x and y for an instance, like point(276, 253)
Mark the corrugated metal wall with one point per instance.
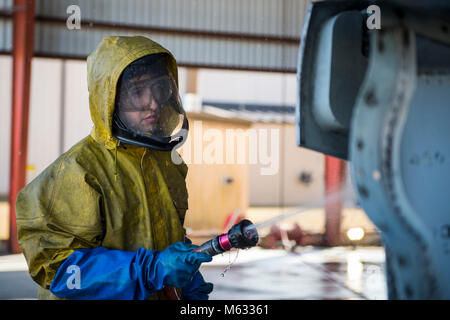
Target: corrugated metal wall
point(259, 17)
point(5, 26)
point(239, 34)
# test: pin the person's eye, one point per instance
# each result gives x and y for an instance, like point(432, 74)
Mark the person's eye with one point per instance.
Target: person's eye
point(161, 91)
point(156, 86)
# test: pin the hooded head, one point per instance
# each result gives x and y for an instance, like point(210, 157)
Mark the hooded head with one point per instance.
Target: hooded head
point(105, 66)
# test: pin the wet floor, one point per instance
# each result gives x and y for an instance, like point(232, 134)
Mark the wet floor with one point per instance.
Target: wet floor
point(15, 282)
point(260, 274)
point(311, 273)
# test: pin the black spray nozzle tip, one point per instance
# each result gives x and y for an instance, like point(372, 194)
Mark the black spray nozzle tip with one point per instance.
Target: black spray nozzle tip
point(243, 235)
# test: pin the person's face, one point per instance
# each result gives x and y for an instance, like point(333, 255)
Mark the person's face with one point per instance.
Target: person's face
point(139, 109)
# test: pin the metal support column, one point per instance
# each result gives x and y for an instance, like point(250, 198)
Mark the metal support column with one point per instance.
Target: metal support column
point(23, 39)
point(334, 182)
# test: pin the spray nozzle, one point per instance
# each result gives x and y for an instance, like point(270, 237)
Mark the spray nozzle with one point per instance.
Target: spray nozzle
point(241, 236)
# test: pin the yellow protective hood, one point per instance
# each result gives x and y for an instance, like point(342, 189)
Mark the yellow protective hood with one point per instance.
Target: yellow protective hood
point(104, 67)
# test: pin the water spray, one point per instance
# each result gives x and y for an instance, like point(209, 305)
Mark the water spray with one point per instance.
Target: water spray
point(343, 195)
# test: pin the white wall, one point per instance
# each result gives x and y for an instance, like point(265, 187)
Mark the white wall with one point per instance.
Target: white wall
point(77, 117)
point(46, 102)
point(45, 110)
point(5, 121)
point(247, 87)
point(284, 188)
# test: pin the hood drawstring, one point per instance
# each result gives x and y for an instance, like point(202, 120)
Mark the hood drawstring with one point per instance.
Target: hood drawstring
point(115, 160)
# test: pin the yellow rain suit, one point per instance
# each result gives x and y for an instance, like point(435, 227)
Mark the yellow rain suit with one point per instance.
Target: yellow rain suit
point(100, 192)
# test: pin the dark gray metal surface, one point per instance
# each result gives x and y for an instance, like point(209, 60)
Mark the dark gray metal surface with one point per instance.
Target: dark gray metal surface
point(398, 152)
point(313, 132)
point(398, 140)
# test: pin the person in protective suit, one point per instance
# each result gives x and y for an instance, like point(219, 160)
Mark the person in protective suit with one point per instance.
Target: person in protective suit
point(105, 220)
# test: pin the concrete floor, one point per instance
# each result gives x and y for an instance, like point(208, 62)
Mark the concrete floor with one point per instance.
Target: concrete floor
point(15, 282)
point(310, 273)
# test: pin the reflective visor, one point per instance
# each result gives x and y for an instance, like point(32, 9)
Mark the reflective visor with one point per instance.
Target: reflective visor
point(159, 89)
point(147, 101)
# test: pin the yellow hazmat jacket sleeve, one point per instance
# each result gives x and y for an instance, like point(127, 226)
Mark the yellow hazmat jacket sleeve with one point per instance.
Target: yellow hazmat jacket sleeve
point(58, 213)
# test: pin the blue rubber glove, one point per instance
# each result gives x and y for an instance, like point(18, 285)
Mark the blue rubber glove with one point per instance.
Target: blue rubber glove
point(100, 273)
point(197, 289)
point(176, 265)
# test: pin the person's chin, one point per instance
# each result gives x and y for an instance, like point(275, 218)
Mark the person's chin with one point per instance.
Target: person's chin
point(147, 129)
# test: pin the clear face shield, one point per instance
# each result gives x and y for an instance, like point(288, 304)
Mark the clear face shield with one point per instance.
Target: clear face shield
point(148, 109)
